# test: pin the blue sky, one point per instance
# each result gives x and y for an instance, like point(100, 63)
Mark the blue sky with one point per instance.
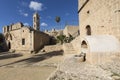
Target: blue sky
point(12, 11)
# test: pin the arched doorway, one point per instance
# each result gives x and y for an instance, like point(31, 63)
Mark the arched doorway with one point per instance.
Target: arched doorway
point(9, 45)
point(84, 45)
point(84, 49)
point(88, 30)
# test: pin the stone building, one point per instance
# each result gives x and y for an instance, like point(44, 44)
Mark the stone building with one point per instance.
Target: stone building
point(54, 32)
point(67, 31)
point(71, 30)
point(99, 29)
point(22, 38)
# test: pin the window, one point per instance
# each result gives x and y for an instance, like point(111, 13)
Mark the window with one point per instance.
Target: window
point(23, 41)
point(7, 28)
point(88, 30)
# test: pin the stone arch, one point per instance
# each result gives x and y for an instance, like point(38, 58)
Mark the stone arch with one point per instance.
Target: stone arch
point(84, 47)
point(88, 30)
point(84, 50)
point(8, 36)
point(84, 44)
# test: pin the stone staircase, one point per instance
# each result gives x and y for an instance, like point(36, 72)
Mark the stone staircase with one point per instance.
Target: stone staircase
point(68, 48)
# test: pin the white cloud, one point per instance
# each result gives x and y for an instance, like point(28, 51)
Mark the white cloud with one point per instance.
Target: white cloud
point(35, 6)
point(23, 13)
point(44, 24)
point(26, 24)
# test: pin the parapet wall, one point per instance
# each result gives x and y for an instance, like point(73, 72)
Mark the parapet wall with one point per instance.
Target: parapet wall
point(12, 27)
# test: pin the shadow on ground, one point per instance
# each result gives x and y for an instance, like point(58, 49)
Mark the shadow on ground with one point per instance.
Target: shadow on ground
point(38, 57)
point(2, 53)
point(9, 55)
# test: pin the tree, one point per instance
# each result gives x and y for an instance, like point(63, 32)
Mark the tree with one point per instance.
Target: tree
point(1, 42)
point(61, 38)
point(1, 38)
point(68, 39)
point(57, 19)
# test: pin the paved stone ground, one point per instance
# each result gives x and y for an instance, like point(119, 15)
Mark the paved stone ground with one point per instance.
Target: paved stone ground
point(71, 69)
point(15, 66)
point(25, 73)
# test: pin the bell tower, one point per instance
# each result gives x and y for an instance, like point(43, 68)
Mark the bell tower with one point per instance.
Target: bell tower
point(36, 21)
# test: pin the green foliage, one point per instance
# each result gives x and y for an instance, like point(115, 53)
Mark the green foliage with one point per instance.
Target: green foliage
point(1, 38)
point(70, 38)
point(1, 42)
point(63, 39)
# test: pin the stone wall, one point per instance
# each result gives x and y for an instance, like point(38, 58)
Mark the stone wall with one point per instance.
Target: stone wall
point(16, 26)
point(76, 43)
point(102, 16)
point(98, 58)
point(54, 32)
point(12, 27)
point(72, 30)
point(52, 48)
point(14, 39)
point(68, 48)
point(40, 39)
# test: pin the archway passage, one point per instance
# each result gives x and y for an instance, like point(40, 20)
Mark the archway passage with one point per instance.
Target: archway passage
point(9, 45)
point(88, 30)
point(84, 47)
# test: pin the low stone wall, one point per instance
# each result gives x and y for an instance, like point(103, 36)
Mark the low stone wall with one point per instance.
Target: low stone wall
point(51, 48)
point(68, 48)
point(76, 43)
point(100, 57)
